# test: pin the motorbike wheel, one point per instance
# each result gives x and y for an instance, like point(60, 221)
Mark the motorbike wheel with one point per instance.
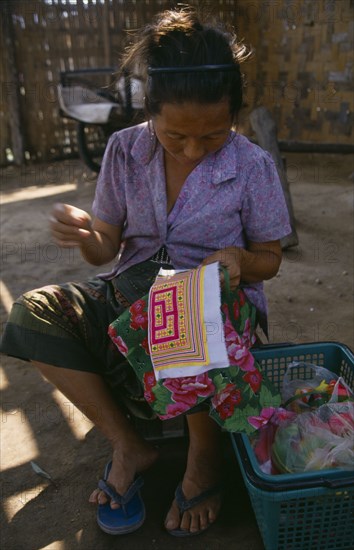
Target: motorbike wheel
point(91, 141)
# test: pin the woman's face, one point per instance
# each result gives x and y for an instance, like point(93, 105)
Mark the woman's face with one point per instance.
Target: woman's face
point(190, 131)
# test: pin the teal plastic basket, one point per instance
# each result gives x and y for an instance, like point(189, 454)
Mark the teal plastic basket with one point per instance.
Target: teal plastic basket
point(306, 511)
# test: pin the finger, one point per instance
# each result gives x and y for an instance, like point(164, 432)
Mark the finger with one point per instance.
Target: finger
point(211, 259)
point(216, 258)
point(70, 215)
point(60, 230)
point(67, 244)
point(63, 239)
point(67, 235)
point(235, 279)
point(62, 213)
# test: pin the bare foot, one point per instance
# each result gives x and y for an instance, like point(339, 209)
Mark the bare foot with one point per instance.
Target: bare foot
point(126, 463)
point(203, 472)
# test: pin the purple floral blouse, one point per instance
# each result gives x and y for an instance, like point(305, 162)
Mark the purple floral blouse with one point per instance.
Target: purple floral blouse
point(231, 197)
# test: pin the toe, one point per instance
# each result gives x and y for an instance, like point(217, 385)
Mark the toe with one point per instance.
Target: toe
point(94, 496)
point(211, 515)
point(187, 522)
point(198, 521)
point(102, 498)
point(204, 520)
point(173, 517)
point(194, 524)
point(114, 505)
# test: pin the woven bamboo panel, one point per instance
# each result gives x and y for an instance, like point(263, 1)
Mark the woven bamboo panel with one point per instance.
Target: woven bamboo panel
point(301, 69)
point(5, 137)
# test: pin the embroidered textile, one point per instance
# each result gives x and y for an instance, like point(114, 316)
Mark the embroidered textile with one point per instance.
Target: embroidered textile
point(184, 320)
point(237, 395)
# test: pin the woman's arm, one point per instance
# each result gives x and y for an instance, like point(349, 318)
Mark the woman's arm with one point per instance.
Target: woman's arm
point(259, 262)
point(104, 244)
point(98, 241)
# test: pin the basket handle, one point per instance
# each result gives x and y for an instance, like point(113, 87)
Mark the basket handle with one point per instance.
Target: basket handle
point(314, 392)
point(266, 347)
point(337, 483)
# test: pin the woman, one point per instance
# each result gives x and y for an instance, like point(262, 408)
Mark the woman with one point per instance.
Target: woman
point(181, 189)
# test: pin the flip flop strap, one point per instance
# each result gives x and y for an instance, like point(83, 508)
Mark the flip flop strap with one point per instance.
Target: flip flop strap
point(123, 500)
point(184, 504)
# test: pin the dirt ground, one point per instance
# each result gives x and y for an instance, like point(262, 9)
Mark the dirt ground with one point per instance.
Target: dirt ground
point(310, 300)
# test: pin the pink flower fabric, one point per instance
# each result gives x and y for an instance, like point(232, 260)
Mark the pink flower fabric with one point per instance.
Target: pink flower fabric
point(118, 341)
point(149, 396)
point(238, 346)
point(139, 321)
point(226, 400)
point(137, 307)
point(149, 381)
point(236, 309)
point(225, 410)
point(145, 345)
point(174, 409)
point(187, 390)
point(222, 395)
point(265, 416)
point(242, 297)
point(138, 317)
point(254, 379)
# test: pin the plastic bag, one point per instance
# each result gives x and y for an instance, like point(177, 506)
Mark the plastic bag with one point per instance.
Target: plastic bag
point(307, 386)
point(315, 430)
point(316, 440)
point(262, 441)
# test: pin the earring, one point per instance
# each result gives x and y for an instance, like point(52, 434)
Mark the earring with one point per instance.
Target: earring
point(151, 130)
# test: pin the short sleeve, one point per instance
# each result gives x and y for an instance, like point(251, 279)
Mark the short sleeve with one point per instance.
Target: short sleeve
point(109, 204)
point(264, 212)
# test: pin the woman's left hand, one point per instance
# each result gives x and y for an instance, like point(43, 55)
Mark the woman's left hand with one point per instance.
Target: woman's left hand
point(230, 258)
point(259, 262)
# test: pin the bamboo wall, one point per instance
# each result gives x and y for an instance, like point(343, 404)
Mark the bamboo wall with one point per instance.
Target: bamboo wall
point(301, 69)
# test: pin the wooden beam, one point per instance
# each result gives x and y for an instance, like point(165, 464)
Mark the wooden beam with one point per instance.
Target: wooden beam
point(265, 128)
point(313, 147)
point(105, 32)
point(13, 84)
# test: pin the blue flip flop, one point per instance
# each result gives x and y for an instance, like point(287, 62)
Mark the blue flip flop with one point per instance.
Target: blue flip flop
point(184, 504)
point(131, 514)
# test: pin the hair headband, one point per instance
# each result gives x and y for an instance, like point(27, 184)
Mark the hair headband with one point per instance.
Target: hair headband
point(191, 69)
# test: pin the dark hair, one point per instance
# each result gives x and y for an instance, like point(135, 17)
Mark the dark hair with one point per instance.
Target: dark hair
point(178, 39)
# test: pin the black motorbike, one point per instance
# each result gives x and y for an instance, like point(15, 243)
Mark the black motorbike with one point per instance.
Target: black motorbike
point(99, 110)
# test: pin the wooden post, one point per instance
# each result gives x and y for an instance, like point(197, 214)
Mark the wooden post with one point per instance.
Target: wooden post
point(106, 37)
point(266, 131)
point(13, 84)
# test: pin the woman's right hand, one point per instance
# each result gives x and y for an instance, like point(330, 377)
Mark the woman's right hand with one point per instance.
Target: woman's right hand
point(70, 226)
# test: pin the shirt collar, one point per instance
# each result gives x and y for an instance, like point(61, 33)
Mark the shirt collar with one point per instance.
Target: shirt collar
point(220, 166)
point(144, 147)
